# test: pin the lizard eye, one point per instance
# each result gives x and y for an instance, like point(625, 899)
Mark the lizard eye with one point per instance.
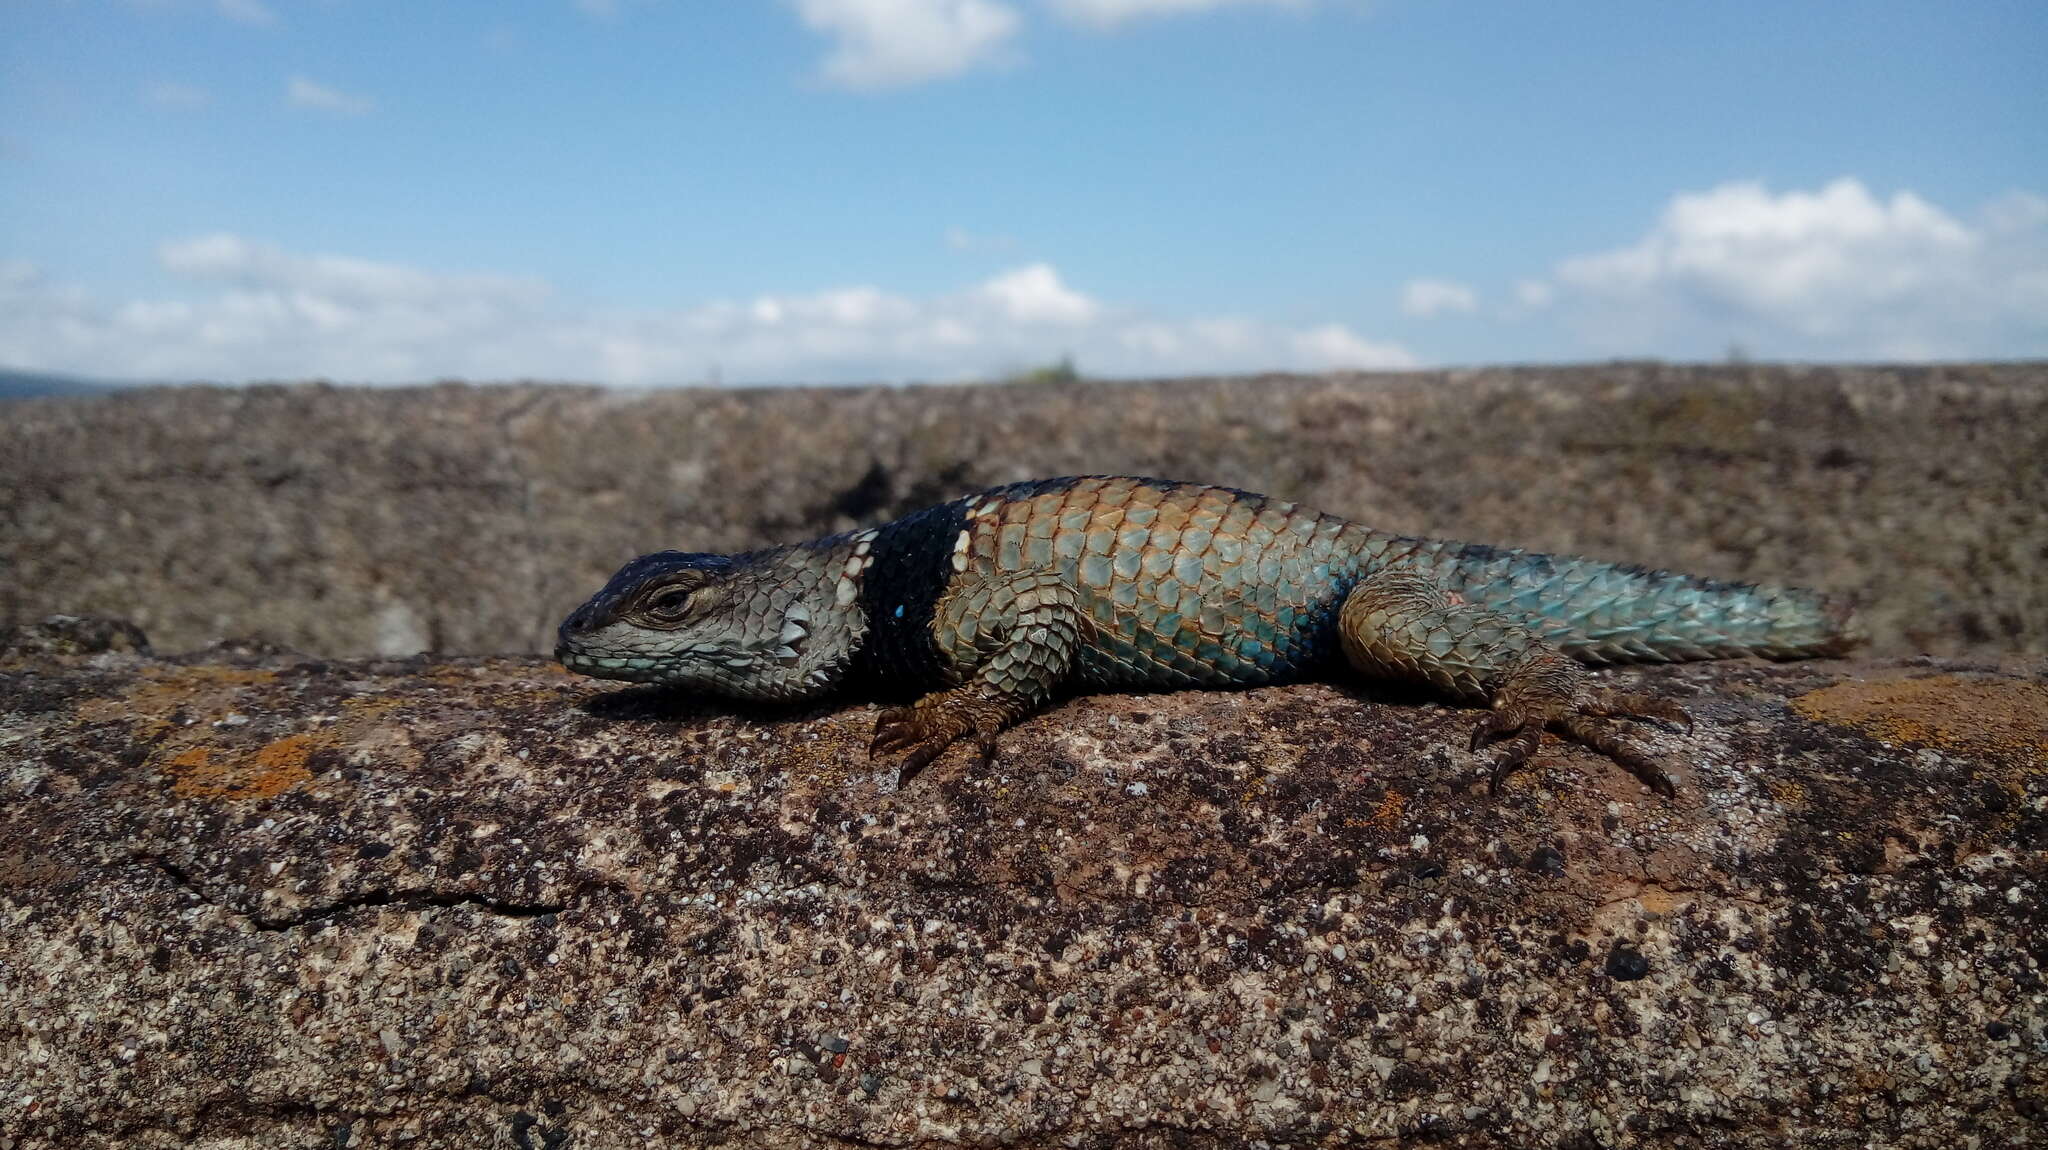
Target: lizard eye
point(669, 604)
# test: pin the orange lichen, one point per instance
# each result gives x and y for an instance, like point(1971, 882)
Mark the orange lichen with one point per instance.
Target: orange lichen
point(268, 771)
point(1786, 792)
point(1385, 816)
point(1999, 721)
point(1388, 814)
point(1658, 900)
point(206, 692)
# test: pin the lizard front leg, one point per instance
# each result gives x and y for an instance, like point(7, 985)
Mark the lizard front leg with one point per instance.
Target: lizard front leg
point(1012, 638)
point(1400, 625)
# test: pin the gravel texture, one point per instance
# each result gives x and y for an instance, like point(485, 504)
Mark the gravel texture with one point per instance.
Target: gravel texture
point(348, 521)
point(249, 899)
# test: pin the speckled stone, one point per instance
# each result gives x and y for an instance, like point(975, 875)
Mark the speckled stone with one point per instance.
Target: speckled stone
point(342, 521)
point(479, 903)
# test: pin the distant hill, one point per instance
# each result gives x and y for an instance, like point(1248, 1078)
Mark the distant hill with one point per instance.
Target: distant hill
point(25, 384)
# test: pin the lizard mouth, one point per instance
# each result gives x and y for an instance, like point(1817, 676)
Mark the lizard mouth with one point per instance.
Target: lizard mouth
point(609, 666)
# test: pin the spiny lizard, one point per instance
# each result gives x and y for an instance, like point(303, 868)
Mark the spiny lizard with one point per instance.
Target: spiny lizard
point(990, 604)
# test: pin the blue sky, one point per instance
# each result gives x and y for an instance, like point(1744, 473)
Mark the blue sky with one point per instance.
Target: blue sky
point(675, 191)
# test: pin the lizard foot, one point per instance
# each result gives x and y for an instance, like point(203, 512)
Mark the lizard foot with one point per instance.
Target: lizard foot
point(1581, 719)
point(1626, 705)
point(919, 733)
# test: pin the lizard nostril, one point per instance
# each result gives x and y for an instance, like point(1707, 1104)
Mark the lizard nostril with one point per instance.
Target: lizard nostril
point(578, 622)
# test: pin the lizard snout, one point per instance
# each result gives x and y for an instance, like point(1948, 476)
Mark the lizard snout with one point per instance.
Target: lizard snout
point(580, 622)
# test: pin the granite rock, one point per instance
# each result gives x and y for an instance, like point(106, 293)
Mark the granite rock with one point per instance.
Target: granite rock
point(249, 899)
point(351, 521)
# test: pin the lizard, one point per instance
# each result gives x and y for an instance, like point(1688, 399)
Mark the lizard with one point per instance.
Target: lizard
point(988, 606)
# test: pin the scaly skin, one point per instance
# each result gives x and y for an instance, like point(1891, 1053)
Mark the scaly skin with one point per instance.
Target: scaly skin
point(994, 602)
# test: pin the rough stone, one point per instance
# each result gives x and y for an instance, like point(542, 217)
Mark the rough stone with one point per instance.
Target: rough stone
point(478, 902)
point(350, 521)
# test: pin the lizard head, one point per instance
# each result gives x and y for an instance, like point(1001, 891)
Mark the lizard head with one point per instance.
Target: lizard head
point(736, 625)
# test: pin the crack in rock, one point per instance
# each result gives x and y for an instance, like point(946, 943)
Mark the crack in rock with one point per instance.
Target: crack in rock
point(403, 899)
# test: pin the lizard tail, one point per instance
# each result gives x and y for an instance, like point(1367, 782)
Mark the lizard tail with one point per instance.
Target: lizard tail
point(1620, 613)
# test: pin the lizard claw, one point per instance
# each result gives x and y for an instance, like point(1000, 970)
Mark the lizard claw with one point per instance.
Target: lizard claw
point(1505, 721)
point(919, 756)
point(915, 740)
point(1579, 722)
point(1520, 748)
point(1591, 732)
point(920, 734)
point(1508, 722)
point(923, 731)
point(895, 729)
point(1501, 770)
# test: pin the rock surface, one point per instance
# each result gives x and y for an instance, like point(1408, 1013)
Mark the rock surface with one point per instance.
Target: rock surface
point(348, 521)
point(249, 900)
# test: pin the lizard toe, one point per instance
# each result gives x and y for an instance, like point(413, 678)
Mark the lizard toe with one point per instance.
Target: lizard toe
point(895, 729)
point(1514, 755)
point(920, 755)
point(1497, 723)
point(915, 736)
point(1596, 735)
point(1628, 705)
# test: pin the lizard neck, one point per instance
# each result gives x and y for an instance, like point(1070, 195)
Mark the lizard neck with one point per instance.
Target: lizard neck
point(811, 605)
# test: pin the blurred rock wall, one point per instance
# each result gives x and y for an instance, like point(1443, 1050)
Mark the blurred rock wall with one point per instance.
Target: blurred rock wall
point(469, 519)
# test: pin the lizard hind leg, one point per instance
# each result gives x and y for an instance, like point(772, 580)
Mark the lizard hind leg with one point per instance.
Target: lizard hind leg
point(1401, 625)
point(1013, 639)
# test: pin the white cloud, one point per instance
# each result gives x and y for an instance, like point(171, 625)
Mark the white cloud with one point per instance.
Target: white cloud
point(271, 314)
point(891, 43)
point(1336, 346)
point(1104, 14)
point(2016, 213)
point(171, 94)
point(1033, 294)
point(262, 312)
point(247, 12)
point(1834, 272)
point(304, 93)
point(246, 265)
point(1425, 299)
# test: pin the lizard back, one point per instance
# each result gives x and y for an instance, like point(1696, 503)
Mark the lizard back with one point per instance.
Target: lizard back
point(1184, 584)
point(1189, 585)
